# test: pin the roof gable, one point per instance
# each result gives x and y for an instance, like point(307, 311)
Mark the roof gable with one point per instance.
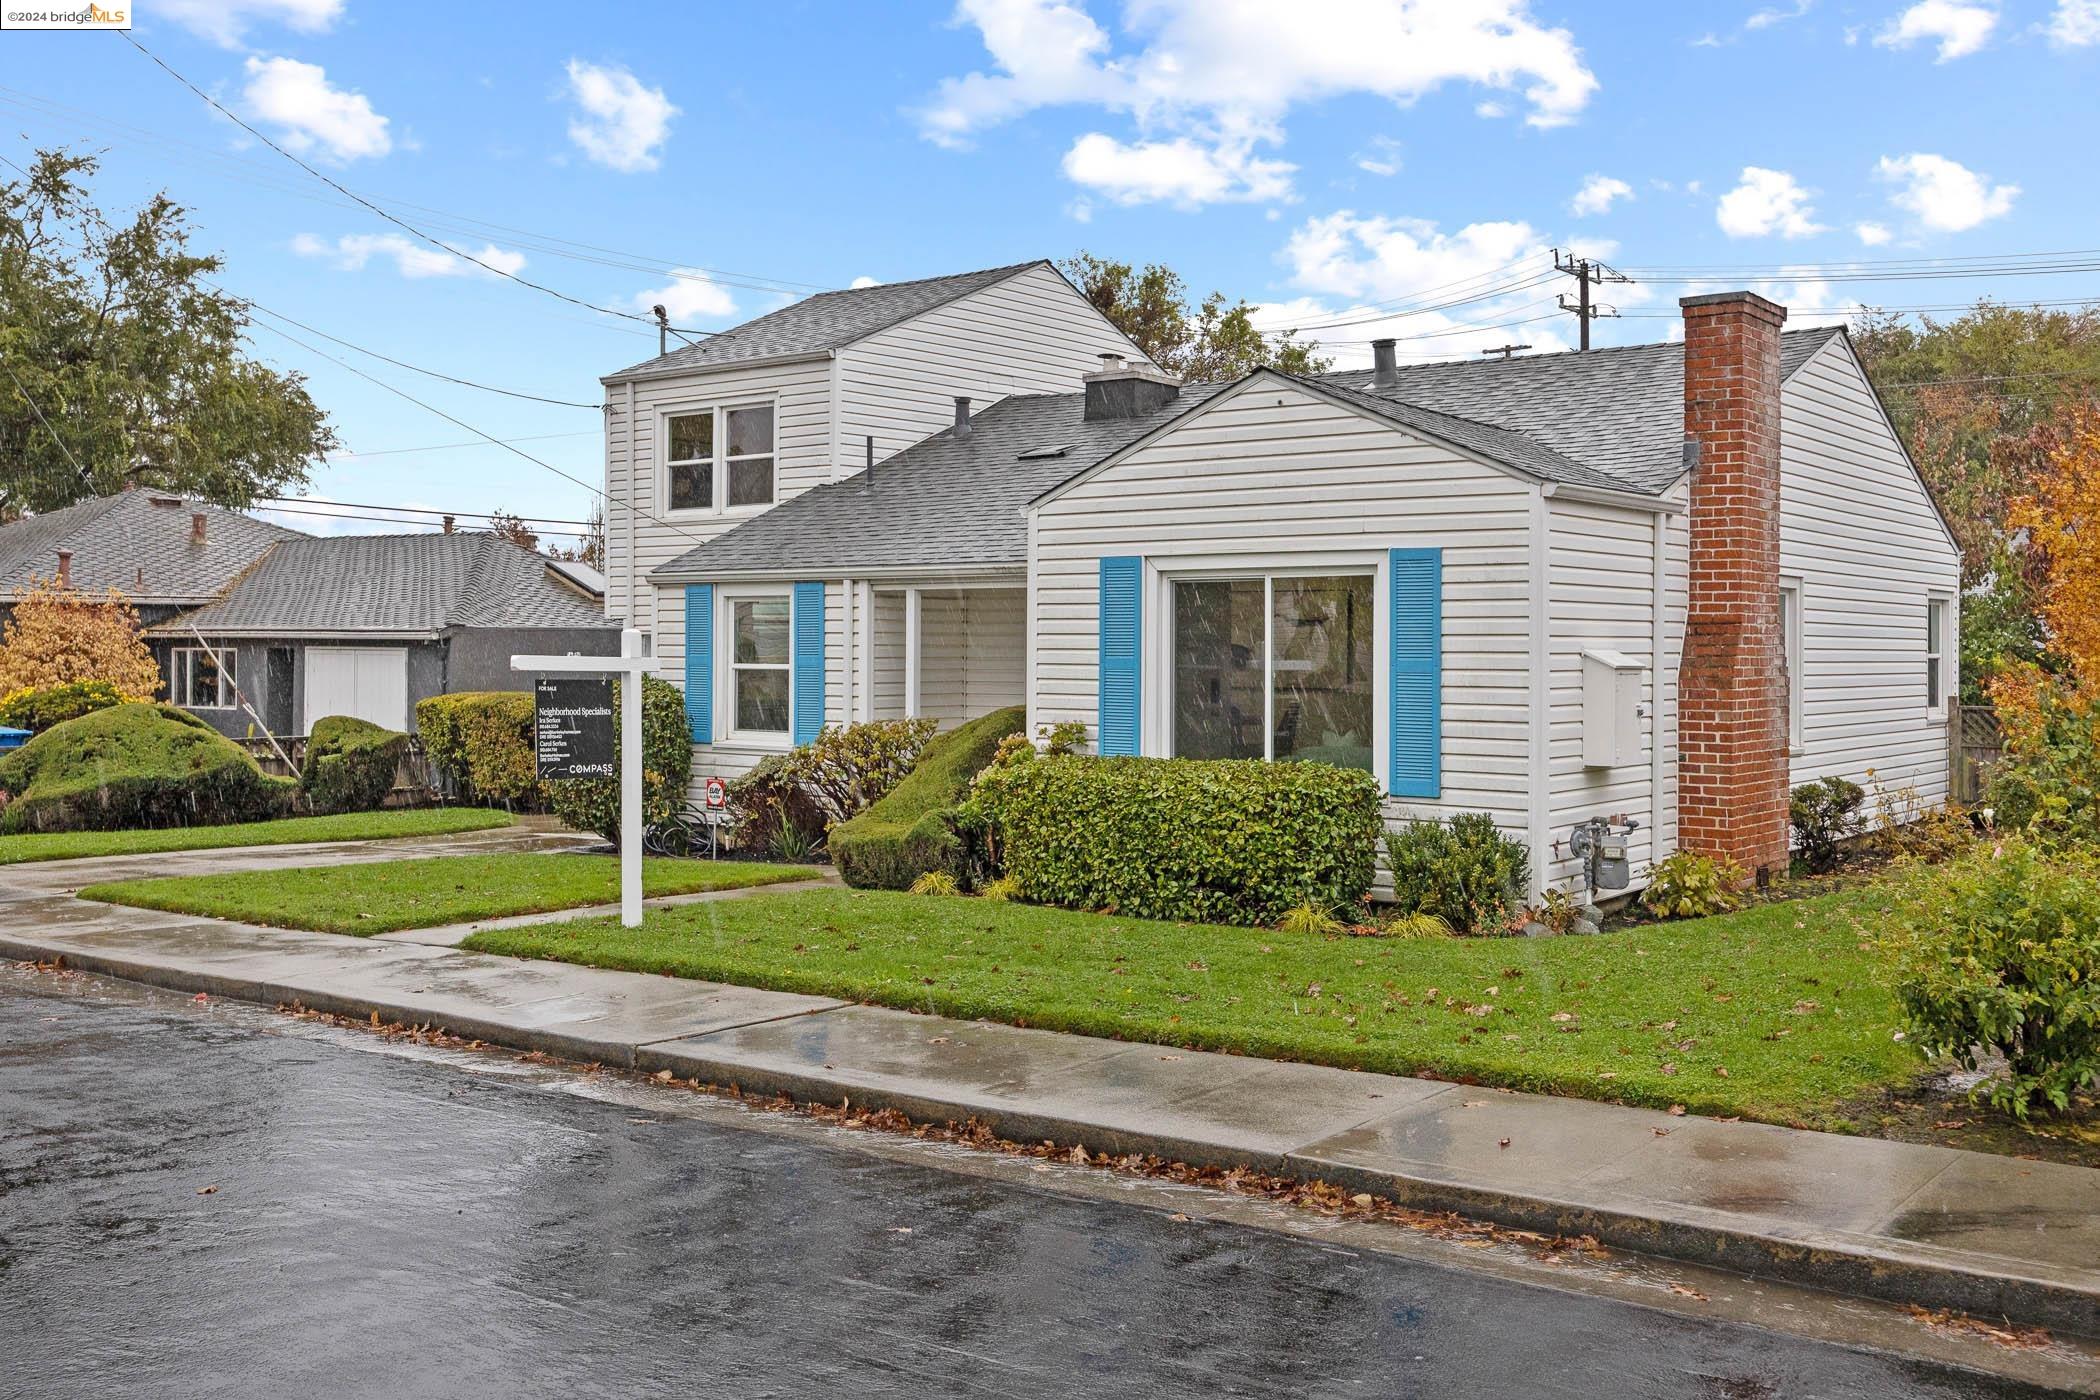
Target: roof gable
point(827, 321)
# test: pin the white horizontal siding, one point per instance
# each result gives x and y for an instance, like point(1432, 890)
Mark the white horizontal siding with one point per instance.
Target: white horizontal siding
point(1600, 595)
point(1031, 334)
point(1270, 475)
point(1859, 531)
point(638, 541)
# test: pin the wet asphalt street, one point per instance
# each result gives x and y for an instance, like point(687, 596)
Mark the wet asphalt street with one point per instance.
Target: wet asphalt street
point(389, 1226)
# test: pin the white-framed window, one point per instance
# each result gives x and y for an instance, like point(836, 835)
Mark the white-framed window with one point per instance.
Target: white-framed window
point(1272, 665)
point(718, 459)
point(1790, 634)
point(757, 688)
point(1939, 650)
point(197, 682)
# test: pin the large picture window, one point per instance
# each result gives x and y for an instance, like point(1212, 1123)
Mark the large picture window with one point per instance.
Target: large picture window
point(1274, 666)
point(198, 682)
point(719, 458)
point(758, 665)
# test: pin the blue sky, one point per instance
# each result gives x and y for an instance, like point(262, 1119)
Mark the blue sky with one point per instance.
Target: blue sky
point(1333, 162)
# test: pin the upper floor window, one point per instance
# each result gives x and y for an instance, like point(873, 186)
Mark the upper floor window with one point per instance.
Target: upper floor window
point(719, 458)
point(198, 680)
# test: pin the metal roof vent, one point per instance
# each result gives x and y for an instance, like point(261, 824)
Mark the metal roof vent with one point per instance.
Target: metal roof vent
point(1038, 454)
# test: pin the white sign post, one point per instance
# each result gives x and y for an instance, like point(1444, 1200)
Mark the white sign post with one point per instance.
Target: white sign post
point(630, 665)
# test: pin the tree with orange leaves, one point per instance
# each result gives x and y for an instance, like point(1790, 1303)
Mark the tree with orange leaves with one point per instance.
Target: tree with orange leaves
point(59, 634)
point(2062, 519)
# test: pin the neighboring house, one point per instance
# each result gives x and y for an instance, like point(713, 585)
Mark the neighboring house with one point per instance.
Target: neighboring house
point(162, 551)
point(367, 625)
point(1658, 582)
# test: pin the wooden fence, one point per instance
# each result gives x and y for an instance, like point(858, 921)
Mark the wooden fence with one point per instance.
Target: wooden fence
point(1975, 743)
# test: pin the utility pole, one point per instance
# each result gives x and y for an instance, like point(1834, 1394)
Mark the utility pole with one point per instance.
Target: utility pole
point(663, 330)
point(1505, 351)
point(1586, 272)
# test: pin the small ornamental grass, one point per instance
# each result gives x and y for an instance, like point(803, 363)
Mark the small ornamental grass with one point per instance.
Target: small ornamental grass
point(2000, 954)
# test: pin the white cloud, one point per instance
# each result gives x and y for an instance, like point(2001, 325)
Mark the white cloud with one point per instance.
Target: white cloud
point(225, 22)
point(353, 251)
point(1224, 73)
point(2076, 23)
point(310, 115)
point(1597, 194)
point(623, 124)
point(1766, 202)
point(1489, 111)
point(690, 295)
point(1765, 19)
point(1809, 301)
point(1873, 234)
point(1383, 157)
point(1946, 196)
point(1183, 171)
point(1959, 27)
point(863, 281)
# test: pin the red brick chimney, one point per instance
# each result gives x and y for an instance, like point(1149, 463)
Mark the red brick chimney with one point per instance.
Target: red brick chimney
point(1731, 689)
point(197, 527)
point(65, 568)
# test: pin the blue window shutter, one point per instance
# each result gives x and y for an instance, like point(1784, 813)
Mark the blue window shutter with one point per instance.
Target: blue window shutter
point(1122, 619)
point(700, 661)
point(806, 658)
point(1416, 724)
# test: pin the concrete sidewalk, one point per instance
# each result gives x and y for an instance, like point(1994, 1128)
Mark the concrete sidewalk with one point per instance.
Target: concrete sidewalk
point(1990, 1235)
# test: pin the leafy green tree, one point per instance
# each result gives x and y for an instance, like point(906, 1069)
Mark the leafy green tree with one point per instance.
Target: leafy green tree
point(123, 366)
point(1201, 342)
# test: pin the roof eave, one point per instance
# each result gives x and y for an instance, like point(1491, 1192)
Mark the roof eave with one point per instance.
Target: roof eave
point(873, 573)
point(640, 373)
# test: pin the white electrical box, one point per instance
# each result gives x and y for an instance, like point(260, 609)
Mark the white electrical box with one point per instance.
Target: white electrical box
point(1612, 712)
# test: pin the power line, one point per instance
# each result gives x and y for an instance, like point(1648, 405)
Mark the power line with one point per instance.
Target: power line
point(85, 476)
point(417, 369)
point(537, 526)
point(344, 457)
point(419, 510)
point(1586, 271)
point(390, 217)
point(469, 427)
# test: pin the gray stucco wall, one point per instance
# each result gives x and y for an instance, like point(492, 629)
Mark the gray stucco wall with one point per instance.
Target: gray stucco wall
point(481, 655)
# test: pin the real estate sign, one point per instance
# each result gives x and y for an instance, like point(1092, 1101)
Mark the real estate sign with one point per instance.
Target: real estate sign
point(572, 726)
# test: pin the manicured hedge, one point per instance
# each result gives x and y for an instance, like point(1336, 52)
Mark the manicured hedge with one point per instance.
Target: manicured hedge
point(593, 804)
point(135, 765)
point(912, 830)
point(1226, 841)
point(481, 742)
point(38, 710)
point(350, 764)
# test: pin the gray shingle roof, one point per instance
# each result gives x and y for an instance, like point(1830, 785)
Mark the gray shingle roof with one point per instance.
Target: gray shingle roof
point(1611, 418)
point(138, 541)
point(825, 321)
point(394, 583)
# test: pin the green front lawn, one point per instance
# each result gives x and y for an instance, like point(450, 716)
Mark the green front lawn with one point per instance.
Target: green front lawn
point(349, 826)
point(390, 895)
point(1774, 1013)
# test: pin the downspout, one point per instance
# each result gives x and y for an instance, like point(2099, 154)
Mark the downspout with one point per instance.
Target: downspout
point(846, 650)
point(1539, 765)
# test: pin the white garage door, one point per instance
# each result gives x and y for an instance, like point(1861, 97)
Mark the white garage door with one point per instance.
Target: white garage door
point(370, 683)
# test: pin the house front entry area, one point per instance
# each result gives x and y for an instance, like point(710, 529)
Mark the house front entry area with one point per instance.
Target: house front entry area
point(945, 652)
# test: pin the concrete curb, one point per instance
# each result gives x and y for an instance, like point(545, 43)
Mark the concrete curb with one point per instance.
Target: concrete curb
point(1842, 1261)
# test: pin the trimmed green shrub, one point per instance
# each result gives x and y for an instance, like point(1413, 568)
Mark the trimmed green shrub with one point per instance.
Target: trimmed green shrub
point(773, 815)
point(913, 829)
point(2000, 953)
point(135, 765)
point(1693, 885)
point(593, 804)
point(1209, 841)
point(1464, 871)
point(1825, 813)
point(38, 710)
point(480, 741)
point(350, 764)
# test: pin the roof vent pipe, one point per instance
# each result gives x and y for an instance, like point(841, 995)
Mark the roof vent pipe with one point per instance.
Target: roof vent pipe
point(65, 568)
point(962, 416)
point(1385, 365)
point(196, 527)
point(1110, 361)
point(867, 478)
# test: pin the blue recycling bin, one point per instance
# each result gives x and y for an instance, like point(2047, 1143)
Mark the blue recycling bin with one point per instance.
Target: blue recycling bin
point(12, 738)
